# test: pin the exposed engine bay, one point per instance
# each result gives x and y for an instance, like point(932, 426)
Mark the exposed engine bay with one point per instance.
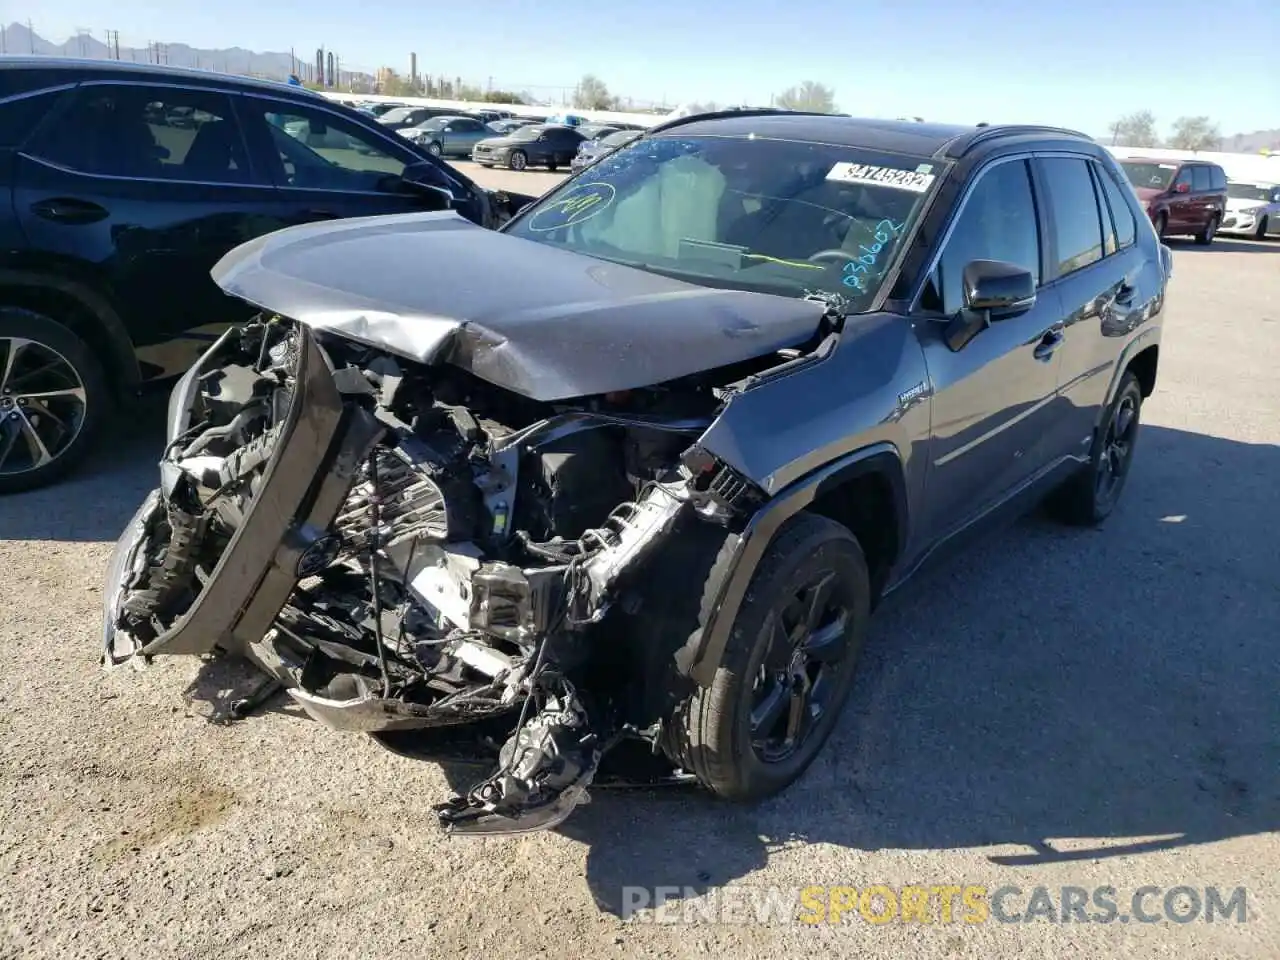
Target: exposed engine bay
point(463, 557)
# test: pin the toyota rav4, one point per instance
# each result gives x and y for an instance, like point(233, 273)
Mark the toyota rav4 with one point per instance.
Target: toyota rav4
point(638, 466)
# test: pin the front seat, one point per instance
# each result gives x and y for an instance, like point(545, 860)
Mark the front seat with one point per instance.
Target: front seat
point(213, 154)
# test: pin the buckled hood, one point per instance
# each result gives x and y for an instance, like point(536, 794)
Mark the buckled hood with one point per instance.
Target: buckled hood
point(543, 322)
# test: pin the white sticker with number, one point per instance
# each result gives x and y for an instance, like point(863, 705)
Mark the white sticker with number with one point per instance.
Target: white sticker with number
point(881, 177)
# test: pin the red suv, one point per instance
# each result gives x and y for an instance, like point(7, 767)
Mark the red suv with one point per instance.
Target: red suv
point(1181, 197)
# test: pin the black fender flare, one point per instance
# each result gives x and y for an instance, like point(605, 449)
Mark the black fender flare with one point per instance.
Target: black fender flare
point(1146, 338)
point(122, 362)
point(700, 657)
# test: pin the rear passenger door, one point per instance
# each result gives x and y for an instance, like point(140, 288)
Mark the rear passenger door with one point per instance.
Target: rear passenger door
point(1094, 264)
point(149, 185)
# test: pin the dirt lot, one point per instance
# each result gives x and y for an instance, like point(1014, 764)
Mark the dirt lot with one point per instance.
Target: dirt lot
point(1056, 708)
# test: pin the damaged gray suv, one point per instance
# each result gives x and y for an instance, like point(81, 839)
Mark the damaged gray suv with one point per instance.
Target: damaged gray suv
point(637, 467)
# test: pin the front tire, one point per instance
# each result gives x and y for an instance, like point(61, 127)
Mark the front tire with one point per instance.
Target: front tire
point(1161, 224)
point(1091, 495)
point(1260, 231)
point(788, 666)
point(54, 399)
point(435, 149)
point(518, 160)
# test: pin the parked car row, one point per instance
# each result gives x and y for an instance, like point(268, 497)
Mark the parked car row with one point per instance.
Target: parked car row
point(1196, 198)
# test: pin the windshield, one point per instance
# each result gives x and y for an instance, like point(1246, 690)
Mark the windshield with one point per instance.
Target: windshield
point(1148, 173)
point(525, 133)
point(398, 115)
point(770, 215)
point(1250, 191)
point(435, 123)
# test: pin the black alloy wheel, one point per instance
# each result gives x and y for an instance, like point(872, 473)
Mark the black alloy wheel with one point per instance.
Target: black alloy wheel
point(52, 398)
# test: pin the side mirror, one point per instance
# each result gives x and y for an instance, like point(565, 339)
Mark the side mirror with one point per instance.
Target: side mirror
point(1182, 188)
point(447, 130)
point(998, 288)
point(426, 177)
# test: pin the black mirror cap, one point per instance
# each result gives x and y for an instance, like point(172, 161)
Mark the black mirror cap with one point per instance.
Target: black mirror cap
point(998, 287)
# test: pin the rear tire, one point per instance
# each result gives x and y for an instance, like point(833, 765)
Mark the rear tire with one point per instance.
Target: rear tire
point(1090, 496)
point(810, 594)
point(1205, 236)
point(54, 399)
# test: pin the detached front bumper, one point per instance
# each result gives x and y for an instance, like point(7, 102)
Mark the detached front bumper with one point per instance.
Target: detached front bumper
point(317, 451)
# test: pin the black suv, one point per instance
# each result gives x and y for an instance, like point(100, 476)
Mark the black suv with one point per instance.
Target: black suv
point(122, 186)
point(640, 463)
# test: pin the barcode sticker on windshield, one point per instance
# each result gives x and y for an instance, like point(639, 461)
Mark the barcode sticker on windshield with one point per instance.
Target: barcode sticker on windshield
point(881, 177)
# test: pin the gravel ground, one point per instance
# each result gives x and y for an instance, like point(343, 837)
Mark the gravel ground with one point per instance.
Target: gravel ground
point(1054, 708)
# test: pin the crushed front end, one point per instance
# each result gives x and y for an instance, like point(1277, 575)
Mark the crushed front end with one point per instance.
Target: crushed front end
point(403, 546)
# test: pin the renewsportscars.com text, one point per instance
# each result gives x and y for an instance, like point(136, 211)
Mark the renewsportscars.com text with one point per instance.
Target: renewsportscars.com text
point(934, 904)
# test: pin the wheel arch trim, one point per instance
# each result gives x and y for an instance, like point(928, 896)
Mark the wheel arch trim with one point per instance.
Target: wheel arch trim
point(700, 656)
point(123, 368)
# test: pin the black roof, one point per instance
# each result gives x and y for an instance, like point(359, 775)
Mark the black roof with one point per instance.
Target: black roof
point(893, 136)
point(129, 68)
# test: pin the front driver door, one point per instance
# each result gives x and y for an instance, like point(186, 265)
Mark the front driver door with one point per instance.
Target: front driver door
point(993, 396)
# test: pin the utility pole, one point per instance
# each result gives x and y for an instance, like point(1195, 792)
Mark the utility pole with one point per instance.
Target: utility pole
point(31, 35)
point(4, 41)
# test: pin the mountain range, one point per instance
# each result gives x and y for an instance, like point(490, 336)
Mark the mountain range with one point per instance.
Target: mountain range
point(18, 39)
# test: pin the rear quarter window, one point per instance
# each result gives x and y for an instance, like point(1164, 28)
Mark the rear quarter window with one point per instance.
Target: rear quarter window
point(1200, 178)
point(1218, 178)
point(19, 116)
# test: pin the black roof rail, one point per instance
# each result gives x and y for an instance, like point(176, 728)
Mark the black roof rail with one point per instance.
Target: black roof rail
point(962, 144)
point(738, 112)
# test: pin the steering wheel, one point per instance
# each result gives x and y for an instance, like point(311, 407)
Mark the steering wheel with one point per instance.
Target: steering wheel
point(832, 254)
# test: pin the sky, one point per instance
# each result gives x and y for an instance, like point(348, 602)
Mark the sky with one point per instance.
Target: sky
point(1078, 64)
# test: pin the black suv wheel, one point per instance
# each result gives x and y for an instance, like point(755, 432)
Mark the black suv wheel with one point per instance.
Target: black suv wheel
point(53, 398)
point(787, 669)
point(1089, 497)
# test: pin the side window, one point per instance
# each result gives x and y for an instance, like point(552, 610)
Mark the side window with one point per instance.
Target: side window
point(1200, 179)
point(319, 150)
point(1126, 227)
point(467, 126)
point(997, 222)
point(1184, 176)
point(1077, 224)
point(156, 133)
point(18, 117)
point(1218, 178)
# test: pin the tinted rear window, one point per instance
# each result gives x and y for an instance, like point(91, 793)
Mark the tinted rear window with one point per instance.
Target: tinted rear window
point(1218, 178)
point(1200, 178)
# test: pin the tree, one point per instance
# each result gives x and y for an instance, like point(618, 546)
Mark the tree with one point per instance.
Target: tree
point(816, 97)
point(592, 94)
point(1194, 133)
point(1135, 130)
point(503, 96)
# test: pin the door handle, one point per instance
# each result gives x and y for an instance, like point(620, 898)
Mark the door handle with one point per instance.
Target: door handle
point(69, 210)
point(1050, 342)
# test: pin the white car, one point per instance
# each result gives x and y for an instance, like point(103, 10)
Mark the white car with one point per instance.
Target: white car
point(1253, 209)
